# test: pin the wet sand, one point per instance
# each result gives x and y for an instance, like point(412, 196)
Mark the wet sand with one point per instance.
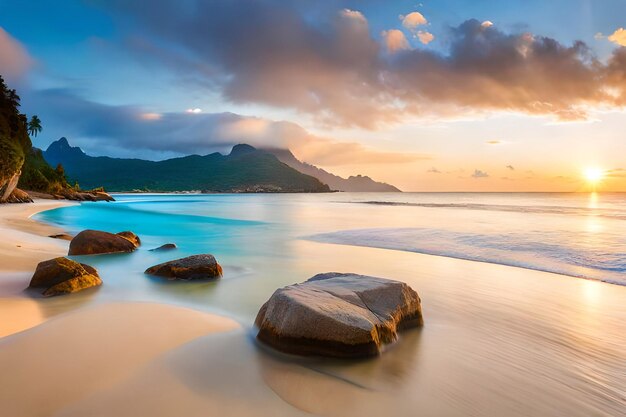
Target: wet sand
point(498, 341)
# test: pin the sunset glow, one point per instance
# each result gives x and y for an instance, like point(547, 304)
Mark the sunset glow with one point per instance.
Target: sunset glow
point(594, 175)
point(417, 95)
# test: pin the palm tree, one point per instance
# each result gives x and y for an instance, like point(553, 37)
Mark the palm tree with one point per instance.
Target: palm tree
point(34, 126)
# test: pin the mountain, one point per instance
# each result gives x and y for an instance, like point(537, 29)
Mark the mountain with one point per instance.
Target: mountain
point(245, 169)
point(357, 183)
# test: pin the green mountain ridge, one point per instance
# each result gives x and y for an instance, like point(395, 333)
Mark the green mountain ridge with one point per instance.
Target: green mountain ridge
point(245, 169)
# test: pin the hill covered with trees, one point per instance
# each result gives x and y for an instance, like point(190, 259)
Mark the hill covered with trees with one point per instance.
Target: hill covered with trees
point(245, 169)
point(20, 164)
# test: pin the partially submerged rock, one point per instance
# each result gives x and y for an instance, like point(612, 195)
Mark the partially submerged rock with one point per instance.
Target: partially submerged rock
point(63, 276)
point(92, 242)
point(192, 267)
point(167, 246)
point(130, 236)
point(339, 315)
point(70, 194)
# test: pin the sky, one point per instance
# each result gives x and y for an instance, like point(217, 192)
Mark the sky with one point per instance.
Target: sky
point(445, 95)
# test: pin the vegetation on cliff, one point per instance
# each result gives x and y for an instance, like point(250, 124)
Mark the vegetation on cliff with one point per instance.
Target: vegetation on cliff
point(21, 165)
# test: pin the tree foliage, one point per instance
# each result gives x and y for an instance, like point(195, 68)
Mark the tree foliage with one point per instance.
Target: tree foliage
point(16, 149)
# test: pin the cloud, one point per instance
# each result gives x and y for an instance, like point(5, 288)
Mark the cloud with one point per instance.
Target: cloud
point(425, 37)
point(434, 170)
point(616, 173)
point(394, 40)
point(511, 167)
point(412, 20)
point(331, 68)
point(14, 59)
point(479, 174)
point(353, 14)
point(493, 142)
point(125, 130)
point(487, 24)
point(618, 37)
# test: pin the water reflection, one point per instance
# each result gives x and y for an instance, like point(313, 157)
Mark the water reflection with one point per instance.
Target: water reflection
point(498, 341)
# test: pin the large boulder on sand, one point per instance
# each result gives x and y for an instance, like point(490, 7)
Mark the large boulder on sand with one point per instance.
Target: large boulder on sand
point(19, 196)
point(339, 315)
point(63, 276)
point(91, 242)
point(192, 267)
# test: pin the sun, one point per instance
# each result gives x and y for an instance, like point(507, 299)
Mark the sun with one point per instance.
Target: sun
point(593, 175)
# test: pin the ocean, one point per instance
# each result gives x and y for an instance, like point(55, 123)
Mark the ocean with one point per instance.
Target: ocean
point(501, 337)
point(574, 234)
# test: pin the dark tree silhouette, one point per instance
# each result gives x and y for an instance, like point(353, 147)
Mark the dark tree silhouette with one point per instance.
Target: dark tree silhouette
point(34, 126)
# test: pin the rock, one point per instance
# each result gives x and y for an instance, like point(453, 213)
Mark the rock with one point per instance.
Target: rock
point(192, 267)
point(19, 196)
point(167, 246)
point(338, 315)
point(63, 276)
point(62, 236)
point(70, 194)
point(130, 236)
point(92, 242)
point(7, 185)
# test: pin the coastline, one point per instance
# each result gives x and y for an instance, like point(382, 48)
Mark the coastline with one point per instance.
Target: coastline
point(25, 241)
point(498, 340)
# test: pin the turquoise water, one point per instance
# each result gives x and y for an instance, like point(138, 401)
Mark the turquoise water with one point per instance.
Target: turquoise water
point(581, 235)
point(497, 341)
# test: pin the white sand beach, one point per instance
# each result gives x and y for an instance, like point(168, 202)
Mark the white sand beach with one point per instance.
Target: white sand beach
point(25, 242)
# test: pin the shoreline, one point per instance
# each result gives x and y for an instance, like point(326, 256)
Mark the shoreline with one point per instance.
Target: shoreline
point(499, 340)
point(26, 241)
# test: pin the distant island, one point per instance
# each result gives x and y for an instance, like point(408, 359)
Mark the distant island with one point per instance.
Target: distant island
point(355, 184)
point(245, 169)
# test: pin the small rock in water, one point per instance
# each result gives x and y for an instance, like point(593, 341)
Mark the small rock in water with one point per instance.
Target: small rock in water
point(192, 267)
point(338, 315)
point(63, 276)
point(167, 246)
point(92, 242)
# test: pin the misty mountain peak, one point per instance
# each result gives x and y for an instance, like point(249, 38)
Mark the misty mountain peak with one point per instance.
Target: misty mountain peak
point(242, 149)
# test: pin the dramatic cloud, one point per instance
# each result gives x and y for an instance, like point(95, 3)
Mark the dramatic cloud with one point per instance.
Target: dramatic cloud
point(104, 129)
point(331, 67)
point(487, 24)
point(425, 37)
point(479, 174)
point(14, 60)
point(412, 20)
point(618, 37)
point(395, 40)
